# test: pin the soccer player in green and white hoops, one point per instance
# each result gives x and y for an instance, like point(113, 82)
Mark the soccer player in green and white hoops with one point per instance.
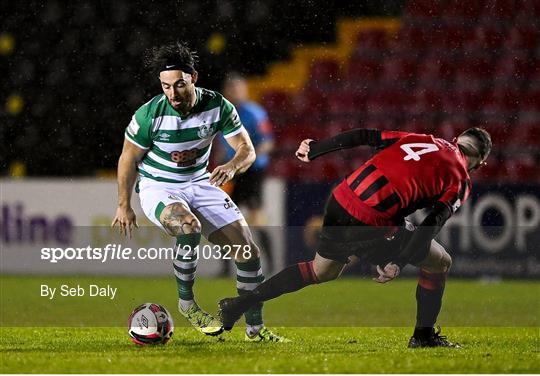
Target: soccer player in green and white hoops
point(166, 149)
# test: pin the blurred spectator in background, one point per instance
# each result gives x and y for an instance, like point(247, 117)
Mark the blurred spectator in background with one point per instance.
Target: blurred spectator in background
point(246, 189)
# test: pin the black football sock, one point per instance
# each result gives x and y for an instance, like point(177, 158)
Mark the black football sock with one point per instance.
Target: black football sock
point(290, 279)
point(429, 293)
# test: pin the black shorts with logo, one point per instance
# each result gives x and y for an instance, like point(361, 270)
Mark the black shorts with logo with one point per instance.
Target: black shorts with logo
point(342, 236)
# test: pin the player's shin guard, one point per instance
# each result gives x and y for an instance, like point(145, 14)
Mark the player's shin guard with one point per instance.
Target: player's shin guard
point(185, 264)
point(429, 293)
point(248, 276)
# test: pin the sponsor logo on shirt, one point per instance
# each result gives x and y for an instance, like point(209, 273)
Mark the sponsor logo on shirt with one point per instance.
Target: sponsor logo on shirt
point(164, 137)
point(236, 119)
point(456, 205)
point(174, 197)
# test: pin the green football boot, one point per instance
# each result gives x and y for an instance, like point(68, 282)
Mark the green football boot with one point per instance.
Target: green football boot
point(202, 321)
point(266, 335)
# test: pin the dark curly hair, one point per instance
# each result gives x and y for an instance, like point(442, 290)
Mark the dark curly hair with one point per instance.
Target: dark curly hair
point(178, 54)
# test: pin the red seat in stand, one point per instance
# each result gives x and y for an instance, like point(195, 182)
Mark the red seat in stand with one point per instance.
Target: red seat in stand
point(363, 70)
point(325, 69)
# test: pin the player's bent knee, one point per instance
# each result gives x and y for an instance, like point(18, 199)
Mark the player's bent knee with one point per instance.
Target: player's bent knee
point(326, 270)
point(327, 276)
point(184, 226)
point(437, 260)
point(446, 262)
point(177, 220)
point(444, 258)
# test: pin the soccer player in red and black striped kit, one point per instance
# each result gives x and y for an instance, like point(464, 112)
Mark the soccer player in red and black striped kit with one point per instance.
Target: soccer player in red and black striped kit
point(365, 216)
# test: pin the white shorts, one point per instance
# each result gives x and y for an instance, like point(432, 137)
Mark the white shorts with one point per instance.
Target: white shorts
point(212, 206)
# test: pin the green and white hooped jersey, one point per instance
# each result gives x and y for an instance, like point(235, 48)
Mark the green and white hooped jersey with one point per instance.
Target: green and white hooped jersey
point(179, 146)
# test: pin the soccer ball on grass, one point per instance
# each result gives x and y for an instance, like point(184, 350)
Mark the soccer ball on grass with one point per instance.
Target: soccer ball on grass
point(150, 324)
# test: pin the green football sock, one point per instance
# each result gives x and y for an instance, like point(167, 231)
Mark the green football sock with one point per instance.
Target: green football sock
point(248, 276)
point(185, 264)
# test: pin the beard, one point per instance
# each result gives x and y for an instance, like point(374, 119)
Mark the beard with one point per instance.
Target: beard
point(182, 104)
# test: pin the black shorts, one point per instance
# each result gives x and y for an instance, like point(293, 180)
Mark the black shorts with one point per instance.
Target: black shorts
point(248, 188)
point(342, 236)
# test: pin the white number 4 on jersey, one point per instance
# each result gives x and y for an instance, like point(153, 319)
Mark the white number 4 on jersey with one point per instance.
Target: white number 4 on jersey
point(421, 148)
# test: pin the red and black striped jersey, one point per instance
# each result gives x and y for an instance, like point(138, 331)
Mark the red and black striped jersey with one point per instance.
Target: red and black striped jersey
point(412, 171)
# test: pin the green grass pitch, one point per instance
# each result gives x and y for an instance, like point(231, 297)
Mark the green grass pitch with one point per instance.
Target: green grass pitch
point(347, 326)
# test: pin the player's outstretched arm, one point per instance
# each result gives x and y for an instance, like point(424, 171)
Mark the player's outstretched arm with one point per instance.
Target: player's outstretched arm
point(127, 175)
point(242, 160)
point(345, 140)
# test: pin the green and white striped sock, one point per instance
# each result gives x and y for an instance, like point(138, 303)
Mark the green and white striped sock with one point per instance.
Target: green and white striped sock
point(185, 266)
point(248, 276)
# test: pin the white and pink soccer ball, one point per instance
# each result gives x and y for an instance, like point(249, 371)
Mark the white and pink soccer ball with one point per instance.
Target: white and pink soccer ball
point(150, 324)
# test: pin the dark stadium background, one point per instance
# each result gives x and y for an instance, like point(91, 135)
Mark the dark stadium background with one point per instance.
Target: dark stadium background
point(77, 65)
point(72, 76)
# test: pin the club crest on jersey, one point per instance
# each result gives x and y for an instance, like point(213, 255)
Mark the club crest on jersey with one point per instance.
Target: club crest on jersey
point(205, 130)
